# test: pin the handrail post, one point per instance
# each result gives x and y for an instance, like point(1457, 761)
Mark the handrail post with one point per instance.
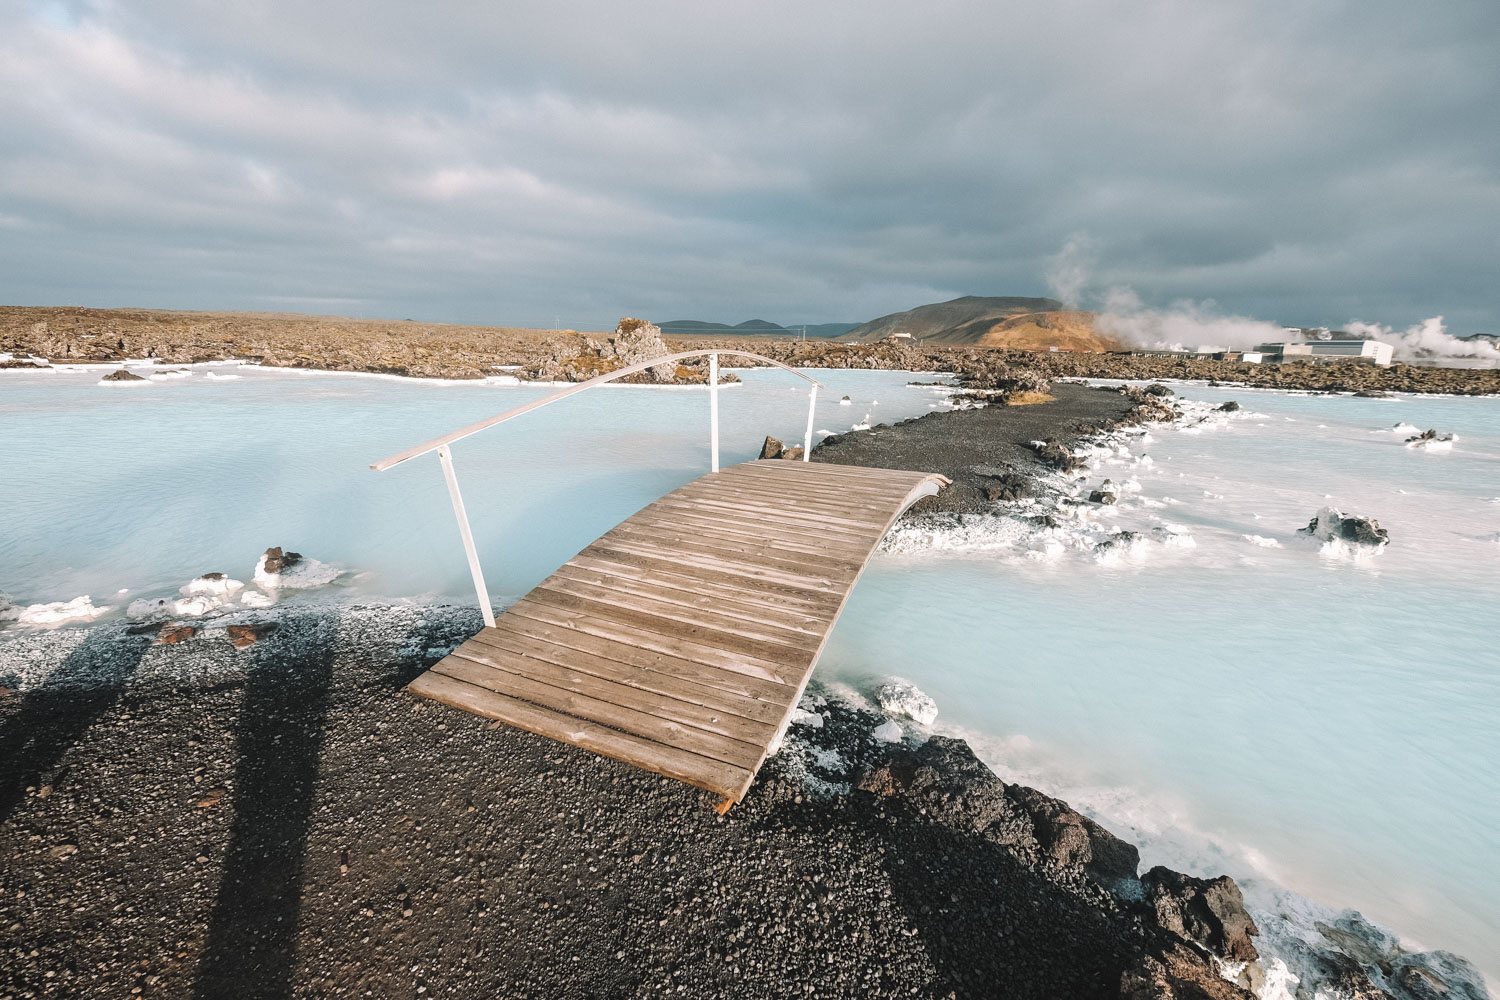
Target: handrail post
point(713, 411)
point(446, 457)
point(812, 404)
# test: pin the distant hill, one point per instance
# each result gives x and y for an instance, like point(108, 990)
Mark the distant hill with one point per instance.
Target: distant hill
point(755, 328)
point(953, 322)
point(1016, 322)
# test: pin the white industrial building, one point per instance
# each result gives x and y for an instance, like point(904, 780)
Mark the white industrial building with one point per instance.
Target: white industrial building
point(1370, 352)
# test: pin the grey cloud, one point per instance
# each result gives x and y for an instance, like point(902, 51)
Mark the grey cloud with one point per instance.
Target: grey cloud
point(1304, 163)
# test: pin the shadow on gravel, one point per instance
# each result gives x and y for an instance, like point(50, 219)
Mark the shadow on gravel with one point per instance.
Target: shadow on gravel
point(54, 717)
point(994, 928)
point(250, 948)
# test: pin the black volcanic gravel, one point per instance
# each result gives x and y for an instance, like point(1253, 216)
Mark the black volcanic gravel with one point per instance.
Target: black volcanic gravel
point(977, 449)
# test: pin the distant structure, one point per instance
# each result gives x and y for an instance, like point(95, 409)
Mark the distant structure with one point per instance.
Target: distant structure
point(1320, 346)
point(1369, 352)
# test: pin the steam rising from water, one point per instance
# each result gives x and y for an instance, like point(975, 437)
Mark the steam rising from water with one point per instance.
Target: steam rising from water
point(1429, 340)
point(1186, 324)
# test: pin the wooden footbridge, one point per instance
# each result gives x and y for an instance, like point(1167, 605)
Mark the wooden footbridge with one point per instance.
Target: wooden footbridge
point(681, 641)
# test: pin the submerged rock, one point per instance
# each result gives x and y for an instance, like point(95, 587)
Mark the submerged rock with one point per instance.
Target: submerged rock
point(277, 561)
point(902, 697)
point(121, 375)
point(1431, 440)
point(1107, 493)
point(1332, 525)
point(1229, 406)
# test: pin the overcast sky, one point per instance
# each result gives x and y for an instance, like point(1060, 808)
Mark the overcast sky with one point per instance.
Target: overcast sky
point(1304, 162)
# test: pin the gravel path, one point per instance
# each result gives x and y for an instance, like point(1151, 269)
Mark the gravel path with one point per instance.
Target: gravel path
point(975, 448)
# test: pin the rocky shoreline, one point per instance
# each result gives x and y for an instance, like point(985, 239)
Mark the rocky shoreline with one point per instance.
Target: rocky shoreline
point(424, 350)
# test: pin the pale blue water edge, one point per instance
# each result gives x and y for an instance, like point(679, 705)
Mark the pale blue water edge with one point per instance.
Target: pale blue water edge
point(1330, 724)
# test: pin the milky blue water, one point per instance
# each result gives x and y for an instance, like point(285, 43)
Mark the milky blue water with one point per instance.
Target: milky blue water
point(1293, 718)
point(146, 485)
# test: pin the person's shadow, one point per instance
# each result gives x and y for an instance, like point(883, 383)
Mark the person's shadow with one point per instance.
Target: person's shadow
point(52, 718)
point(250, 946)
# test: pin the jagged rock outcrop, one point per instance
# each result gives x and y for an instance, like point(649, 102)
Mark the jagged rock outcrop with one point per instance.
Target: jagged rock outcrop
point(953, 785)
point(1208, 912)
point(1331, 524)
point(1054, 453)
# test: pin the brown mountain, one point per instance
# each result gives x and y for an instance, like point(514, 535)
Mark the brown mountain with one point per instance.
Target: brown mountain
point(1016, 322)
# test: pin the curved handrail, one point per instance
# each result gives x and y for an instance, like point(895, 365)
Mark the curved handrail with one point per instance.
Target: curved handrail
point(536, 404)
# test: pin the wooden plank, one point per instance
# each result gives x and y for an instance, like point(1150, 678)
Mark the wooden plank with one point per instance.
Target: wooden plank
point(817, 468)
point(643, 638)
point(799, 537)
point(675, 510)
point(852, 501)
point(825, 471)
point(772, 515)
point(702, 772)
point(716, 585)
point(829, 489)
point(741, 687)
point(823, 490)
point(711, 707)
point(718, 565)
point(691, 615)
point(737, 512)
point(764, 553)
point(773, 655)
point(758, 615)
point(792, 499)
point(518, 684)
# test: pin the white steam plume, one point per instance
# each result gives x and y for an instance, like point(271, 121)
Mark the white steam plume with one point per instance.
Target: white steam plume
point(1185, 325)
point(1429, 341)
point(1068, 269)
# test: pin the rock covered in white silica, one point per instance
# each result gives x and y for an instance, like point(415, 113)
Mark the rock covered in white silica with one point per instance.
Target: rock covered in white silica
point(902, 697)
point(888, 732)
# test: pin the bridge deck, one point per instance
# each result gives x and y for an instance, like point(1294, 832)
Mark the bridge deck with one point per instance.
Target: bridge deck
point(681, 641)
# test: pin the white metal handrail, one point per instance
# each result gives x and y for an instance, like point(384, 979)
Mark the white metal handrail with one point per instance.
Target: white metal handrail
point(440, 444)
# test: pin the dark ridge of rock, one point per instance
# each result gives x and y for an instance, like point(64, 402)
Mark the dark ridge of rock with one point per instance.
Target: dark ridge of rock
point(1103, 496)
point(1158, 390)
point(1208, 912)
point(772, 448)
point(121, 375)
point(1229, 406)
point(955, 787)
point(1176, 972)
